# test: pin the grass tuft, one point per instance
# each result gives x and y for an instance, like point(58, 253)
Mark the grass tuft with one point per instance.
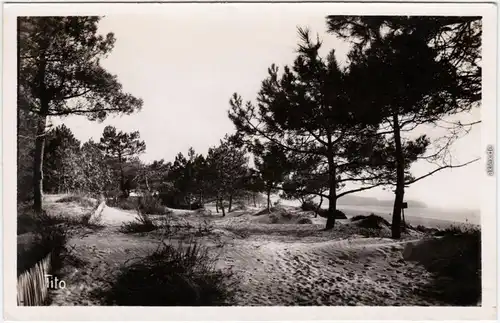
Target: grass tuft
point(172, 276)
point(142, 223)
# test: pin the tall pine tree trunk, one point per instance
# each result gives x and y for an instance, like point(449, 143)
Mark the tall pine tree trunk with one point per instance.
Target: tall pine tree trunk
point(230, 202)
point(254, 201)
point(122, 177)
point(217, 204)
point(38, 162)
point(400, 181)
point(332, 194)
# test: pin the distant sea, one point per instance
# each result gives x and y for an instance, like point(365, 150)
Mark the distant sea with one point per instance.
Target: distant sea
point(427, 216)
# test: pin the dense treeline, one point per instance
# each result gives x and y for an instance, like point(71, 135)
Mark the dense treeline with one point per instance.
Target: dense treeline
point(316, 128)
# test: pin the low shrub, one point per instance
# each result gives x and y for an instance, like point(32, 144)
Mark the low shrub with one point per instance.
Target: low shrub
point(309, 205)
point(172, 276)
point(204, 229)
point(82, 200)
point(458, 229)
point(339, 215)
point(122, 203)
point(152, 205)
point(304, 221)
point(148, 204)
point(358, 217)
point(142, 223)
point(203, 212)
point(373, 222)
point(239, 206)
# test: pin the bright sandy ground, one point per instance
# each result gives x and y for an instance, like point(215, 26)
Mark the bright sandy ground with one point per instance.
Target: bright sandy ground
point(276, 264)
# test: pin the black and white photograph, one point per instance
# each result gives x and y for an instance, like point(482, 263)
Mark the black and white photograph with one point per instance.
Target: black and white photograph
point(279, 155)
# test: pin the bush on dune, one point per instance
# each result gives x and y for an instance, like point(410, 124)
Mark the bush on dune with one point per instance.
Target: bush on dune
point(339, 215)
point(172, 276)
point(80, 199)
point(122, 203)
point(358, 217)
point(148, 204)
point(371, 221)
point(237, 205)
point(273, 209)
point(309, 205)
point(304, 221)
point(152, 205)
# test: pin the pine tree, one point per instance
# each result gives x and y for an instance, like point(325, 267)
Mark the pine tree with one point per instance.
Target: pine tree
point(59, 74)
point(121, 147)
point(306, 111)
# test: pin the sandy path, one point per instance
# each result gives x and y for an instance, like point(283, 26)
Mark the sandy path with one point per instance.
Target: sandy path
point(347, 272)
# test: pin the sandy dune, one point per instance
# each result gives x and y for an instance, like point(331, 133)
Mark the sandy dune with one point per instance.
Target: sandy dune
point(276, 264)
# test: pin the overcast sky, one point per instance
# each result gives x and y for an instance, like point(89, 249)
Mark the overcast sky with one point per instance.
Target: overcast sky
point(186, 64)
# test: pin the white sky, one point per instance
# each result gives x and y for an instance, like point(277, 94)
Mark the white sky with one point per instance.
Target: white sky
point(185, 65)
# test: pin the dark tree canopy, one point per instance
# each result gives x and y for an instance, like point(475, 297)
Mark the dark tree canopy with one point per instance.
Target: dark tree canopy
point(456, 39)
point(60, 68)
point(416, 71)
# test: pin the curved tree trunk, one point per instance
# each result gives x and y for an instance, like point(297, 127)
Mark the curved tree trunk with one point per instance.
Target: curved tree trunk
point(38, 163)
point(319, 206)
